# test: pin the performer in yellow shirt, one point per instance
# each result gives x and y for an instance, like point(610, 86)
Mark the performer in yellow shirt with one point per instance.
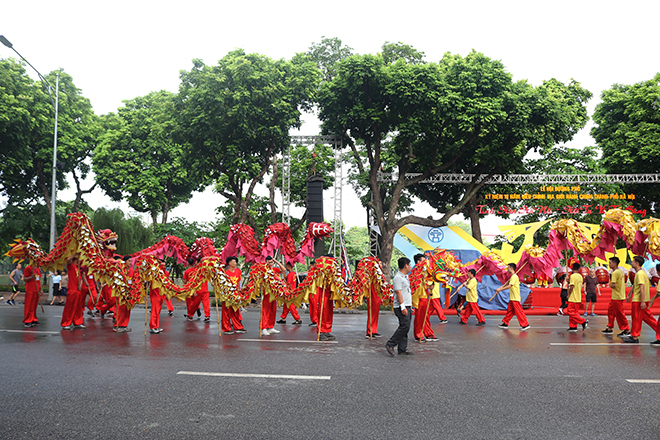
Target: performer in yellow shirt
point(471, 299)
point(514, 307)
point(574, 300)
point(615, 309)
point(640, 295)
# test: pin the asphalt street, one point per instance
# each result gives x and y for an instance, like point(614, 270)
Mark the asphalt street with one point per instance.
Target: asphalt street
point(187, 382)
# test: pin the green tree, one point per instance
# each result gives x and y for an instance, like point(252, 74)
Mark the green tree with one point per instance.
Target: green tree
point(327, 54)
point(132, 235)
point(627, 129)
point(137, 157)
point(26, 135)
point(457, 115)
point(236, 116)
point(185, 230)
point(392, 52)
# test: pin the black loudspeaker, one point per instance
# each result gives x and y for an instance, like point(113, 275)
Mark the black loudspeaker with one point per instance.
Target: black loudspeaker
point(315, 208)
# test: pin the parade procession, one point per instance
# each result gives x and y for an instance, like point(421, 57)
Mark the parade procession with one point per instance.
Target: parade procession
point(109, 284)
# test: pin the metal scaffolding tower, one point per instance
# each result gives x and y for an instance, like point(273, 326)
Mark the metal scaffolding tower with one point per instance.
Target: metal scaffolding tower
point(286, 186)
point(336, 143)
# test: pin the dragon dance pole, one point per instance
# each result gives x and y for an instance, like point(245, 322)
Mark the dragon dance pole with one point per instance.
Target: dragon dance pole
point(369, 312)
point(519, 269)
point(261, 314)
point(217, 309)
point(452, 288)
point(318, 333)
point(426, 313)
point(147, 288)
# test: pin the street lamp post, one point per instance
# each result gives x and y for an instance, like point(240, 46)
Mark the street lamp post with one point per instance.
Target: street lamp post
point(54, 183)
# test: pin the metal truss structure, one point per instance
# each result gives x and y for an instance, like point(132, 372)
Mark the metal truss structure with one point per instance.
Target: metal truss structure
point(286, 186)
point(336, 143)
point(526, 179)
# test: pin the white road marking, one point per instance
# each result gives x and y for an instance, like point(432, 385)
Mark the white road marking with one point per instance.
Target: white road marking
point(28, 331)
point(643, 380)
point(261, 376)
point(595, 343)
point(293, 341)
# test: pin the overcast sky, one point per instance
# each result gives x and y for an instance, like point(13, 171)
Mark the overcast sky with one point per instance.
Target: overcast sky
point(123, 49)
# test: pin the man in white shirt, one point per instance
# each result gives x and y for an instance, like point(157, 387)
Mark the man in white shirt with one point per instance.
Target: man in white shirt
point(402, 309)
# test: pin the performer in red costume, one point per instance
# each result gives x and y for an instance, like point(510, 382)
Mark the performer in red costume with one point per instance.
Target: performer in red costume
point(156, 306)
point(471, 299)
point(422, 323)
point(373, 310)
point(89, 288)
point(327, 314)
point(615, 309)
point(436, 305)
point(201, 296)
point(292, 282)
point(123, 312)
point(231, 317)
point(33, 290)
point(269, 305)
point(106, 302)
point(514, 307)
point(313, 305)
point(640, 309)
point(574, 300)
point(73, 308)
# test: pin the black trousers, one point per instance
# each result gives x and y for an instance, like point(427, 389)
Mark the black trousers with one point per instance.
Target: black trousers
point(400, 336)
point(564, 298)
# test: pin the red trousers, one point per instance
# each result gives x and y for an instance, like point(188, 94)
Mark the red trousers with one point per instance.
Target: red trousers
point(92, 295)
point(373, 313)
point(123, 315)
point(423, 320)
point(106, 300)
point(574, 317)
point(194, 301)
point(268, 312)
point(514, 308)
point(168, 303)
point(231, 317)
point(314, 308)
point(469, 309)
point(30, 306)
point(73, 308)
point(326, 315)
point(294, 312)
point(615, 310)
point(436, 309)
point(156, 306)
point(639, 315)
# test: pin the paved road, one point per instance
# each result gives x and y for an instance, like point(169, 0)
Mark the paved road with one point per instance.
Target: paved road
point(475, 383)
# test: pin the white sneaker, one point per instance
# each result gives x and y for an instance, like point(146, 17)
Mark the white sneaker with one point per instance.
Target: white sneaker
point(265, 332)
point(272, 331)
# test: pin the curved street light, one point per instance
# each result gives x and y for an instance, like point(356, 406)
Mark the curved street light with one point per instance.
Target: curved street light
point(55, 103)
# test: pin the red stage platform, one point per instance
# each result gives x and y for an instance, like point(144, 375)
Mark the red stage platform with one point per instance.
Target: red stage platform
point(546, 301)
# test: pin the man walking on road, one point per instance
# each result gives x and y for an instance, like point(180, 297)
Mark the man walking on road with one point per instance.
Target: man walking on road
point(402, 309)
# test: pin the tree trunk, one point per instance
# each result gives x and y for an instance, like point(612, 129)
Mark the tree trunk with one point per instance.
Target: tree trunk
point(386, 249)
point(474, 219)
point(166, 211)
point(273, 181)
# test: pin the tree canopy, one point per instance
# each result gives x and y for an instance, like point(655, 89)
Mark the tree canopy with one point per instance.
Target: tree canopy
point(627, 128)
point(235, 117)
point(137, 157)
point(462, 114)
point(27, 126)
